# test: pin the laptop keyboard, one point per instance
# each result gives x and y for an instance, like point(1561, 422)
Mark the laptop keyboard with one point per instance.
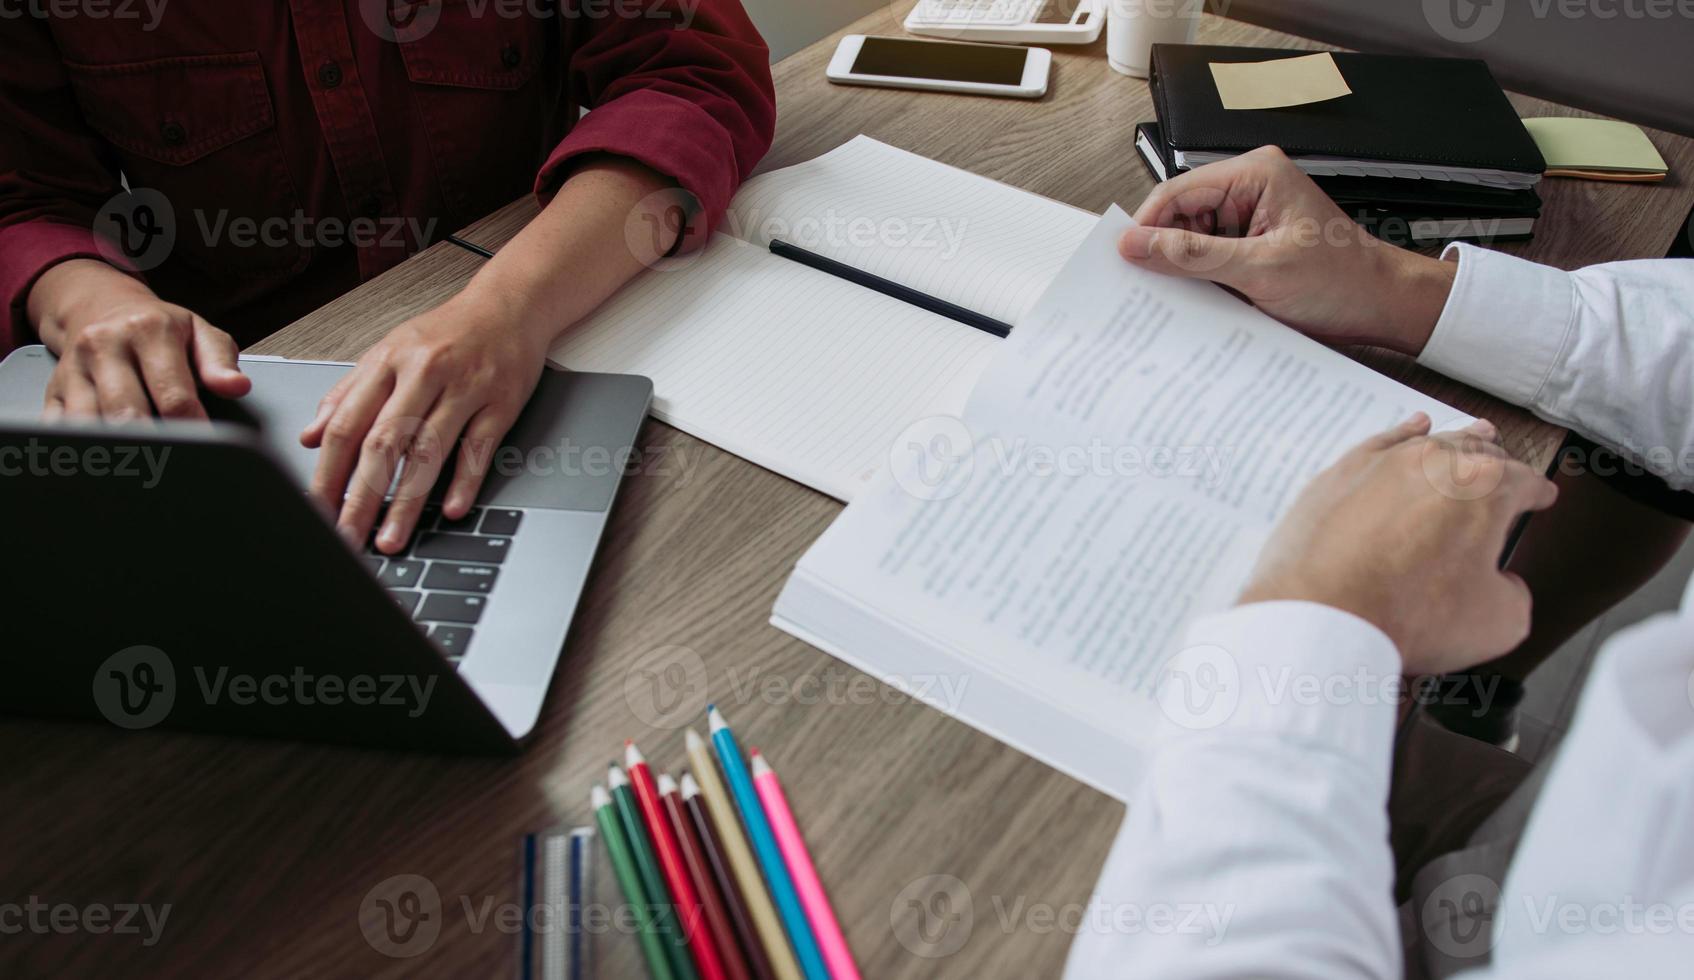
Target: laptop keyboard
point(447, 573)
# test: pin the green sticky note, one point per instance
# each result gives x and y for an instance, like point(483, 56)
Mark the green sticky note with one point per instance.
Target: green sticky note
point(1604, 145)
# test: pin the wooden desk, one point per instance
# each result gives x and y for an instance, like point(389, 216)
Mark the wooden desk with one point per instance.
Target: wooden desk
point(266, 850)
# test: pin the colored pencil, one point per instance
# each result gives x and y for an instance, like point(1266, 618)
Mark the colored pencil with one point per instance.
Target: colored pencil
point(652, 879)
point(836, 955)
point(688, 909)
point(766, 923)
point(700, 875)
point(765, 848)
point(629, 879)
point(712, 848)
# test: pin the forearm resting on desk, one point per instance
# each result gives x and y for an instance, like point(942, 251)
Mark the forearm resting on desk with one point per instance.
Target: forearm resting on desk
point(613, 218)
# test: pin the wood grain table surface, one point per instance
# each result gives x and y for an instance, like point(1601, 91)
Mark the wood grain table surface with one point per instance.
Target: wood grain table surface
point(946, 854)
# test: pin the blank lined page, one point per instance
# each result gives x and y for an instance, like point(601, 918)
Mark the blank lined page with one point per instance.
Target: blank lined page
point(795, 370)
point(950, 233)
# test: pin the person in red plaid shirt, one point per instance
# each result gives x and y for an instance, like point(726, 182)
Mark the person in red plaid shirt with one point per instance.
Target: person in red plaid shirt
point(182, 177)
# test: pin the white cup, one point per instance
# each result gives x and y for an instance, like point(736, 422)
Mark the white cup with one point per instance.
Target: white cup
point(1134, 26)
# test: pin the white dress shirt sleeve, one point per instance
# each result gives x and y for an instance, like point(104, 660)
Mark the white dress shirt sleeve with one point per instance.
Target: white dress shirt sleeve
point(1607, 350)
point(1262, 824)
point(1257, 847)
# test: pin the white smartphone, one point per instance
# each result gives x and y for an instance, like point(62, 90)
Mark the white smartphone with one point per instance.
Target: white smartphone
point(941, 66)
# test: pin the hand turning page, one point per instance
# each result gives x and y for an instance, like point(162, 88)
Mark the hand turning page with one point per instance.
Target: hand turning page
point(1112, 477)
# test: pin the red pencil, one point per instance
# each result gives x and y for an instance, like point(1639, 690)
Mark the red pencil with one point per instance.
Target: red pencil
point(671, 863)
point(717, 919)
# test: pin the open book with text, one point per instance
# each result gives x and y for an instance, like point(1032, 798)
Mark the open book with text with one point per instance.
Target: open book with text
point(1029, 565)
point(808, 374)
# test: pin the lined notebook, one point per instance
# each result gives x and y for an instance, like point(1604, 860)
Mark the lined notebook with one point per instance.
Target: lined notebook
point(808, 374)
point(1112, 477)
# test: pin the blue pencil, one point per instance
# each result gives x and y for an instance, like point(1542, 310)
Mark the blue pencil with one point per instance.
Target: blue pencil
point(765, 848)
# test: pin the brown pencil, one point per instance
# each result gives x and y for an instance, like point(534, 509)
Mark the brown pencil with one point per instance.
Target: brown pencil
point(717, 919)
point(740, 918)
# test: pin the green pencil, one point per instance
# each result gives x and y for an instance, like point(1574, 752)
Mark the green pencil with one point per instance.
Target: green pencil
point(652, 946)
point(652, 882)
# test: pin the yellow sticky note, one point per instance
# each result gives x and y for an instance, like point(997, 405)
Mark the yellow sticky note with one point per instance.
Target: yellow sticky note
point(1279, 83)
point(1594, 144)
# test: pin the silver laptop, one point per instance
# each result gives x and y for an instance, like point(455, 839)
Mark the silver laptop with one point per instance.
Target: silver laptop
point(179, 576)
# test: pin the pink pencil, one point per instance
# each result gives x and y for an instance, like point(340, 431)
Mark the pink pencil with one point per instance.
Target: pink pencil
point(837, 957)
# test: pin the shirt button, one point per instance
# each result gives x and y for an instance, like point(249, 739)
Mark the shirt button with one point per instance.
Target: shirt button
point(174, 134)
point(371, 206)
point(510, 56)
point(329, 75)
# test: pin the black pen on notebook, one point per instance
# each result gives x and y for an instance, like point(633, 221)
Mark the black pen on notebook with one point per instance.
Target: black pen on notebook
point(887, 287)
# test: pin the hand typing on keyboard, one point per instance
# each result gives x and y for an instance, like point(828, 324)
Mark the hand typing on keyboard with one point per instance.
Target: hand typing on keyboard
point(443, 575)
point(463, 371)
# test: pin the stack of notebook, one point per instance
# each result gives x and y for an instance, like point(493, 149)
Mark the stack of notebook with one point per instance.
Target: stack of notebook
point(1423, 150)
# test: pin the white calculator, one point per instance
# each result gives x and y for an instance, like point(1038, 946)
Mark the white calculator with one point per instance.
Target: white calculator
point(1009, 21)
